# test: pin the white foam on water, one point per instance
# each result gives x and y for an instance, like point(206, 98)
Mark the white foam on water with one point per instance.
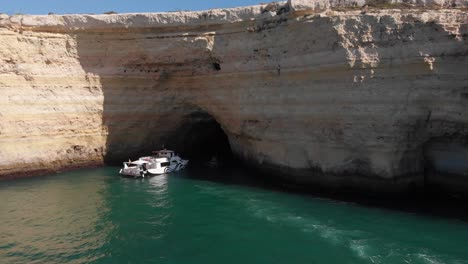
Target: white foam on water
point(360, 248)
point(428, 259)
point(328, 233)
point(365, 245)
point(308, 225)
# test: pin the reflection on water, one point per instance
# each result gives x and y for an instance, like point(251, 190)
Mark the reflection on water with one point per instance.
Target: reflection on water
point(159, 185)
point(96, 216)
point(158, 188)
point(52, 218)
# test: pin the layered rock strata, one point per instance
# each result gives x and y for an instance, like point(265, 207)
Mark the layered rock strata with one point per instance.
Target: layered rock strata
point(371, 99)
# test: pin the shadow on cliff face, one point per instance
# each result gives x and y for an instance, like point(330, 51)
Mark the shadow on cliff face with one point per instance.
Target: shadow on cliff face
point(200, 138)
point(145, 100)
point(144, 96)
point(430, 129)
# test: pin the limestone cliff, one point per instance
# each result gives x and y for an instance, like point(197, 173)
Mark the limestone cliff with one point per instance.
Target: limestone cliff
point(335, 96)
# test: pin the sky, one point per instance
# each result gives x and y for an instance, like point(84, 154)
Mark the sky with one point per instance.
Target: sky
point(38, 7)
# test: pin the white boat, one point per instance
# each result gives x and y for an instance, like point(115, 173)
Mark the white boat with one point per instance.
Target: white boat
point(161, 162)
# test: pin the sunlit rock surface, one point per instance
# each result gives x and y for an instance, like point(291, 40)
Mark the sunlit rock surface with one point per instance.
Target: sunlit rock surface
point(344, 98)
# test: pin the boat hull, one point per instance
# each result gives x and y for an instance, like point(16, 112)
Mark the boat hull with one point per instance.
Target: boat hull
point(173, 167)
point(140, 172)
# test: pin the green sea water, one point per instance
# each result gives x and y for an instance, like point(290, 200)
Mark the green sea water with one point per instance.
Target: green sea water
point(96, 216)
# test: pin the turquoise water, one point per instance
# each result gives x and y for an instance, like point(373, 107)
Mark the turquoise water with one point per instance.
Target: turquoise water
point(95, 216)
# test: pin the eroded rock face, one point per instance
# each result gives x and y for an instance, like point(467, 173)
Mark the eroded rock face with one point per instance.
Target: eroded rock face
point(342, 99)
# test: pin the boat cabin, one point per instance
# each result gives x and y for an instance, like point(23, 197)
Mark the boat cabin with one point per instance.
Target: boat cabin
point(164, 153)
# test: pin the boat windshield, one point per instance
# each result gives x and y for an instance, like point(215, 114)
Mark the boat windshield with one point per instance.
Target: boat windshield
point(164, 153)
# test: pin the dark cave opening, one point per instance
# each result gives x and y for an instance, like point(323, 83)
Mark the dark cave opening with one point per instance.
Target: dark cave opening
point(201, 139)
point(217, 66)
point(446, 164)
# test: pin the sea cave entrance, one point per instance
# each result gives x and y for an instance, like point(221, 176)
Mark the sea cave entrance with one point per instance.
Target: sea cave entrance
point(201, 139)
point(446, 163)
